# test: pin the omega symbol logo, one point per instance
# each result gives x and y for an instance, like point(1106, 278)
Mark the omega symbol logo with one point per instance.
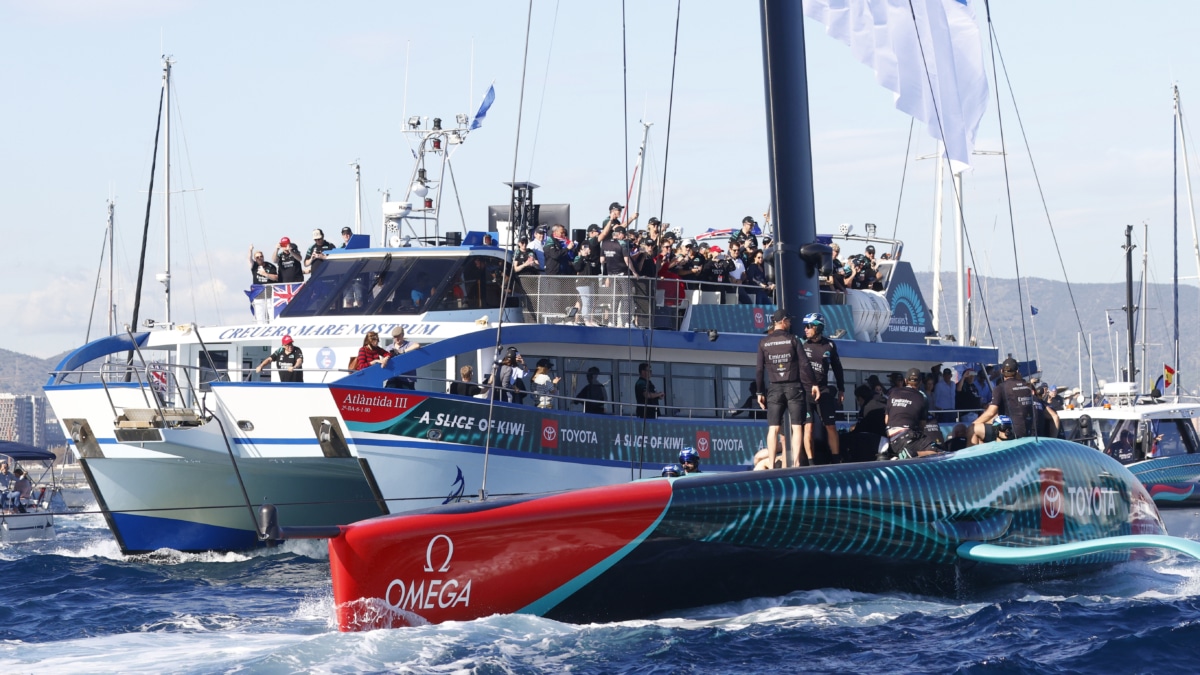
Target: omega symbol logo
point(429, 554)
point(549, 433)
point(1052, 501)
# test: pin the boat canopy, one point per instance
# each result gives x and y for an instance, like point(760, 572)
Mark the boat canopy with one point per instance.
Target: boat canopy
point(25, 453)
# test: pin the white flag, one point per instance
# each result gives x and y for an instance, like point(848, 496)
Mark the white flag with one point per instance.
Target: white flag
point(933, 62)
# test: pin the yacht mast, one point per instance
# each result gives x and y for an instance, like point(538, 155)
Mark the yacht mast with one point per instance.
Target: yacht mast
point(357, 197)
point(1187, 181)
point(112, 307)
point(165, 277)
point(640, 169)
point(936, 314)
point(1142, 309)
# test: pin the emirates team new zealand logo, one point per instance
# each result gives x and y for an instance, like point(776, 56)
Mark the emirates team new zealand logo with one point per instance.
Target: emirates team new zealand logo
point(907, 302)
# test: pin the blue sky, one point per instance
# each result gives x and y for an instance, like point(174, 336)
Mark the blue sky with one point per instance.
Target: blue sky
point(275, 99)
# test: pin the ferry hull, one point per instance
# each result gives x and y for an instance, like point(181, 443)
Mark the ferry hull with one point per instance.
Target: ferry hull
point(191, 505)
point(586, 555)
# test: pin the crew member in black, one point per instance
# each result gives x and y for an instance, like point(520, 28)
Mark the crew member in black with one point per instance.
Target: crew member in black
point(287, 259)
point(593, 393)
point(316, 252)
point(746, 233)
point(525, 261)
point(907, 411)
point(1012, 397)
point(288, 361)
point(784, 373)
point(823, 356)
point(262, 271)
point(618, 264)
point(647, 397)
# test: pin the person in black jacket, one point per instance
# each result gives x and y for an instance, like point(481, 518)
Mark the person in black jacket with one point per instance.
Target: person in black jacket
point(785, 379)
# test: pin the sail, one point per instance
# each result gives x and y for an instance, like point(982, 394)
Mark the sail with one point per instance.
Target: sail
point(928, 52)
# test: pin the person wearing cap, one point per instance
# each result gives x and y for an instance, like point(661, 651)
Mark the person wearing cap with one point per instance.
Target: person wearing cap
point(346, 234)
point(1014, 398)
point(407, 379)
point(654, 230)
point(746, 233)
point(823, 357)
point(907, 412)
point(525, 261)
point(870, 253)
point(261, 271)
point(316, 252)
point(615, 210)
point(288, 262)
point(538, 245)
point(593, 394)
point(288, 361)
point(545, 383)
point(785, 380)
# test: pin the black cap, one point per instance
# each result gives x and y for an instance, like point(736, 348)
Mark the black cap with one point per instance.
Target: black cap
point(870, 249)
point(779, 315)
point(346, 230)
point(653, 220)
point(593, 228)
point(544, 363)
point(523, 240)
point(914, 374)
point(615, 205)
point(748, 219)
point(593, 371)
point(1010, 365)
point(618, 230)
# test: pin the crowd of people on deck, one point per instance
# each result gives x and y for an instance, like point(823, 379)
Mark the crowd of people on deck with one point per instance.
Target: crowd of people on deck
point(287, 265)
point(980, 405)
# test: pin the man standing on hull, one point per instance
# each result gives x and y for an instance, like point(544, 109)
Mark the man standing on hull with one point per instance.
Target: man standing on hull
point(1012, 397)
point(785, 379)
point(823, 356)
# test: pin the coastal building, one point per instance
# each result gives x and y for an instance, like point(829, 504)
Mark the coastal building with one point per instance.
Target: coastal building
point(23, 419)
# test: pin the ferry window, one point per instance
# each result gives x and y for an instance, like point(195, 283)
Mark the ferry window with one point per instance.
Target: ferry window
point(627, 379)
point(320, 293)
point(575, 380)
point(416, 290)
point(693, 389)
point(735, 391)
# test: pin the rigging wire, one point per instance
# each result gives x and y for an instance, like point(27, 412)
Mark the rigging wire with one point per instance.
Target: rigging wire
point(137, 294)
point(912, 123)
point(537, 126)
point(662, 207)
point(99, 269)
point(507, 276)
point(625, 96)
point(1038, 181)
point(1012, 225)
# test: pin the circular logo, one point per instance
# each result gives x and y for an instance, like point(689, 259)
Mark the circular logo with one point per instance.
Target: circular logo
point(549, 433)
point(434, 435)
point(326, 358)
point(1052, 501)
point(702, 444)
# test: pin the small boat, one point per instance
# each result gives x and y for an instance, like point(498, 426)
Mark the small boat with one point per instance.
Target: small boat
point(31, 517)
point(998, 512)
point(1156, 440)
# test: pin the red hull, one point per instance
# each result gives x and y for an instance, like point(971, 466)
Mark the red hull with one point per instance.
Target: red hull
point(429, 568)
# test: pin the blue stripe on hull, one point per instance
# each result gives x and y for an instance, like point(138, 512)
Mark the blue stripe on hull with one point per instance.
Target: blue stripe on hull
point(142, 534)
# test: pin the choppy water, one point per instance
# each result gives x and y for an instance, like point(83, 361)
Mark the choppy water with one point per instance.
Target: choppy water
point(76, 605)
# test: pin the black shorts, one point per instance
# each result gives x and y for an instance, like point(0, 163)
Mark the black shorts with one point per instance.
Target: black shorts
point(825, 408)
point(790, 396)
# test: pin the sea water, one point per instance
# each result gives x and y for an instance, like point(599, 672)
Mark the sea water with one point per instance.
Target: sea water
point(76, 605)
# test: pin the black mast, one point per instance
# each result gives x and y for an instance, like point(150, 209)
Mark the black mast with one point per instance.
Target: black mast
point(789, 150)
point(1129, 307)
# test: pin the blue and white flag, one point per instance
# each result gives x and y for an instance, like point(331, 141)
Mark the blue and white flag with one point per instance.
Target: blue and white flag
point(488, 99)
point(928, 52)
point(1032, 310)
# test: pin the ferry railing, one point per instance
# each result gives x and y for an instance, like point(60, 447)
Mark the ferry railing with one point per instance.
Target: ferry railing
point(624, 301)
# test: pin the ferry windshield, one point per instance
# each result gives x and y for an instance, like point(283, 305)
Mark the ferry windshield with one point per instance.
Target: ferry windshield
point(362, 286)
